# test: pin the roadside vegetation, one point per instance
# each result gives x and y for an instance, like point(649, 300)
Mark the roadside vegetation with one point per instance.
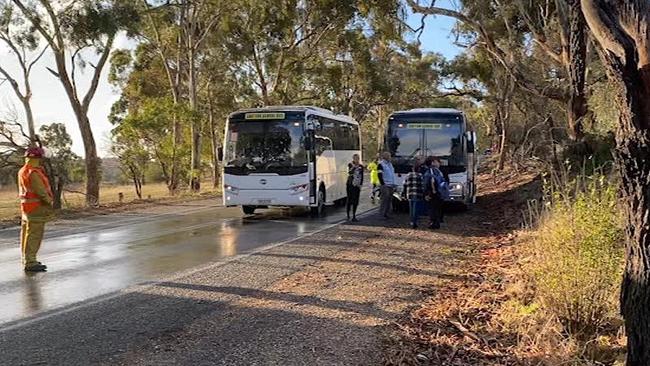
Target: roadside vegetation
point(569, 265)
point(544, 291)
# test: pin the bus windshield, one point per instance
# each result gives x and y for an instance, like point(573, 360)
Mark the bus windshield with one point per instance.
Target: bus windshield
point(274, 146)
point(412, 137)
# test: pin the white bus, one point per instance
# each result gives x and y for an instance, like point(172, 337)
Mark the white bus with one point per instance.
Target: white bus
point(440, 132)
point(287, 156)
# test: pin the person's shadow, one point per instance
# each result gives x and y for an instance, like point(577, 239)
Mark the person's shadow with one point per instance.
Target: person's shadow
point(33, 297)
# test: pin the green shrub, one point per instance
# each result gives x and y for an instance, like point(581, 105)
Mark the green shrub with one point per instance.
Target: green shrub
point(578, 253)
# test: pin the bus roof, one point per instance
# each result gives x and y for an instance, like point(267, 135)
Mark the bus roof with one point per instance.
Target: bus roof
point(429, 110)
point(298, 108)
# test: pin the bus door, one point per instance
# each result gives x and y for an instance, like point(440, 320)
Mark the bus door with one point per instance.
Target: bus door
point(311, 145)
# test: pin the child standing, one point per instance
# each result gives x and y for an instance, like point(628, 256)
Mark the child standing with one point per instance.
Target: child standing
point(374, 178)
point(414, 189)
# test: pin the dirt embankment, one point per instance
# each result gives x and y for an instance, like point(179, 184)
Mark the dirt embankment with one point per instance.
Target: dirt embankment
point(451, 325)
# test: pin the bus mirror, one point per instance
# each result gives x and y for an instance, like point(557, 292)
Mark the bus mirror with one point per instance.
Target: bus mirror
point(312, 123)
point(471, 141)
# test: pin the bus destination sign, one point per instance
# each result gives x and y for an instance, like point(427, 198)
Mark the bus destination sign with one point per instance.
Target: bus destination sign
point(274, 115)
point(428, 126)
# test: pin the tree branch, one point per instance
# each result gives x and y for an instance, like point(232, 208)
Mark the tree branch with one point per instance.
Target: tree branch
point(35, 21)
point(605, 28)
point(98, 71)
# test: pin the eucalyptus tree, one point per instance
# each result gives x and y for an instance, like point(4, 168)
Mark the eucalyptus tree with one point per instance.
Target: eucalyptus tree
point(23, 44)
point(69, 28)
point(547, 39)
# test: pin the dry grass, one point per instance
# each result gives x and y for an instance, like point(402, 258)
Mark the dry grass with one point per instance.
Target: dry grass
point(495, 315)
point(109, 195)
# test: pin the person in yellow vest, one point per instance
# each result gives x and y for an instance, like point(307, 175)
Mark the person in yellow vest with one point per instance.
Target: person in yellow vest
point(374, 178)
point(36, 207)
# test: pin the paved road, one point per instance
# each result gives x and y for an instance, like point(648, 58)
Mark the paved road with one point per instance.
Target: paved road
point(101, 255)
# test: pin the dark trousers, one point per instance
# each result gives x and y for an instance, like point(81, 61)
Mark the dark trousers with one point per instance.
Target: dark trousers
point(386, 195)
point(375, 191)
point(435, 211)
point(413, 211)
point(352, 201)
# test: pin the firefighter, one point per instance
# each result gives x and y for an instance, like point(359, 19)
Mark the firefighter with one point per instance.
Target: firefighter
point(36, 206)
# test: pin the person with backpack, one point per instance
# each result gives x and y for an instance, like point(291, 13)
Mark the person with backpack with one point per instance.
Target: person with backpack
point(414, 192)
point(436, 191)
point(353, 186)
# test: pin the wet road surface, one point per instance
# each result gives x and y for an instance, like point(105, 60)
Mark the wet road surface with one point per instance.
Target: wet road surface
point(96, 256)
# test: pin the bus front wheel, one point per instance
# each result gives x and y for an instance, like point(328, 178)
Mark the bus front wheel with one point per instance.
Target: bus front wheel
point(319, 210)
point(248, 210)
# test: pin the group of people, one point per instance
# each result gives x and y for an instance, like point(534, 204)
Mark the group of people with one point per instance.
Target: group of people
point(424, 186)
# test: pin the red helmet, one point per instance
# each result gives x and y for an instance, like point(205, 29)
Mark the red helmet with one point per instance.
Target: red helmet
point(34, 152)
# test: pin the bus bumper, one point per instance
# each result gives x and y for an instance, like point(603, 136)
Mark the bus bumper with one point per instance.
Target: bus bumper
point(266, 198)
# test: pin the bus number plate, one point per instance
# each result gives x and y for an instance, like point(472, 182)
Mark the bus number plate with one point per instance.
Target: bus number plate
point(264, 202)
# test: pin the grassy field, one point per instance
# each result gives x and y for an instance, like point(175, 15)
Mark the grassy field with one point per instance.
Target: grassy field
point(109, 194)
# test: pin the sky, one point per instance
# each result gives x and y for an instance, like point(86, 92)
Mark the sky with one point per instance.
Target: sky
point(50, 103)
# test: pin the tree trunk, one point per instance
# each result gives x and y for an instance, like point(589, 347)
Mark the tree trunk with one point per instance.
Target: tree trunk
point(172, 182)
point(175, 85)
point(504, 107)
point(577, 69)
point(622, 29)
point(195, 165)
point(92, 162)
point(29, 117)
point(214, 144)
point(633, 150)
point(56, 185)
point(551, 136)
point(137, 183)
point(215, 161)
point(503, 140)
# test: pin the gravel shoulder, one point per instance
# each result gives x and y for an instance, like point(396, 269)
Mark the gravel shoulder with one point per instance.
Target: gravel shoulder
point(324, 299)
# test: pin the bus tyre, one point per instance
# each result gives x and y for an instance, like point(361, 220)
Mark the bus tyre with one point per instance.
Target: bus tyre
point(319, 210)
point(248, 210)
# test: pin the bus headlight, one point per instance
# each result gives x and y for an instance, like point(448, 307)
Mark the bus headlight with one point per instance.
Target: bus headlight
point(231, 189)
point(299, 188)
point(456, 189)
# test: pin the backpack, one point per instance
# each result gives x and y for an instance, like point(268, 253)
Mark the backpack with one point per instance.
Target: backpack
point(442, 187)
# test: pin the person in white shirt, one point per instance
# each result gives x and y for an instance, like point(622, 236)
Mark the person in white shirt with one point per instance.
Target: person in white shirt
point(387, 183)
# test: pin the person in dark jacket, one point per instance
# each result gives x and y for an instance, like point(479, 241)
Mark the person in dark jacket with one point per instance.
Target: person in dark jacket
point(432, 194)
point(353, 186)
